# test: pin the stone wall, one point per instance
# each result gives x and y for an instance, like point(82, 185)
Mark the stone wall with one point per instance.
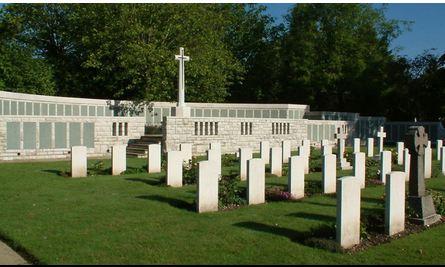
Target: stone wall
point(45, 127)
point(234, 133)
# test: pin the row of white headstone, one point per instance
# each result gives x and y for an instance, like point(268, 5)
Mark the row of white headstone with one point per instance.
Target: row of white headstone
point(118, 160)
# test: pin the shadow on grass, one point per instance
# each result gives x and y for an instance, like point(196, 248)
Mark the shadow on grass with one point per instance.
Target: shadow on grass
point(311, 216)
point(373, 200)
point(153, 182)
point(177, 203)
point(322, 236)
point(320, 204)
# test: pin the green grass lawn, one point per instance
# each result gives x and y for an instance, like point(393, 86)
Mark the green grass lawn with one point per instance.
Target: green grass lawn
point(135, 219)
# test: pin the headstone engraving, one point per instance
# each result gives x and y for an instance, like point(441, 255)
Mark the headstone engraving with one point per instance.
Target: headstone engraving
point(422, 204)
point(341, 160)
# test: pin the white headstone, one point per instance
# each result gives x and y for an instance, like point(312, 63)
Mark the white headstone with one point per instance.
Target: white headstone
point(385, 165)
point(119, 159)
point(329, 173)
point(276, 161)
point(381, 134)
point(215, 146)
point(265, 151)
point(348, 211)
point(356, 145)
point(285, 149)
point(442, 152)
point(295, 176)
point(400, 147)
point(174, 168)
point(341, 160)
point(360, 167)
point(395, 203)
point(214, 156)
point(303, 151)
point(307, 147)
point(370, 145)
point(186, 149)
point(245, 154)
point(439, 146)
point(327, 150)
point(407, 162)
point(78, 161)
point(324, 142)
point(207, 199)
point(255, 181)
point(154, 158)
point(428, 159)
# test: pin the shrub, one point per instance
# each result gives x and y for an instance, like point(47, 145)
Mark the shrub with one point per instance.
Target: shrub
point(229, 193)
point(312, 187)
point(276, 193)
point(438, 200)
point(228, 159)
point(191, 172)
point(98, 168)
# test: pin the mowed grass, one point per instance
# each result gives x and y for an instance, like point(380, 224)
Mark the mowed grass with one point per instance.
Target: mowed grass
point(135, 219)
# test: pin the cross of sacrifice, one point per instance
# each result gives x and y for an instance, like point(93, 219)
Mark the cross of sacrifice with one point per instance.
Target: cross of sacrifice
point(181, 83)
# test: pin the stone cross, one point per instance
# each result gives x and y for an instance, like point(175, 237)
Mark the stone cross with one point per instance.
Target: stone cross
point(340, 136)
point(181, 83)
point(416, 140)
point(381, 134)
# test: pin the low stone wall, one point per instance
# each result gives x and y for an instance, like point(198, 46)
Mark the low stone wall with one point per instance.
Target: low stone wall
point(234, 133)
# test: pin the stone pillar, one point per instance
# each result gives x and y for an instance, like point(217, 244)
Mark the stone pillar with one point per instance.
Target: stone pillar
point(370, 149)
point(276, 161)
point(395, 203)
point(360, 167)
point(207, 192)
point(348, 211)
point(78, 161)
point(255, 181)
point(186, 149)
point(428, 158)
point(285, 148)
point(385, 165)
point(406, 161)
point(295, 176)
point(400, 147)
point(356, 147)
point(119, 159)
point(245, 154)
point(439, 146)
point(214, 156)
point(174, 168)
point(265, 150)
point(154, 158)
point(329, 175)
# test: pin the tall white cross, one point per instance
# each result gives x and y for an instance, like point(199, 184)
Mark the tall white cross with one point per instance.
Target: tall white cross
point(340, 136)
point(381, 134)
point(181, 82)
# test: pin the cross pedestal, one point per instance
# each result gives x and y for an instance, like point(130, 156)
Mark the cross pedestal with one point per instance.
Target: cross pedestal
point(422, 204)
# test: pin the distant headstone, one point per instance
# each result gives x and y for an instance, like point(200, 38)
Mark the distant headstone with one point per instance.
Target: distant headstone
point(255, 181)
point(78, 161)
point(341, 160)
point(370, 146)
point(400, 147)
point(154, 158)
point(406, 163)
point(245, 154)
point(348, 211)
point(215, 146)
point(422, 204)
point(285, 148)
point(381, 135)
point(295, 176)
point(207, 193)
point(326, 149)
point(119, 159)
point(324, 142)
point(428, 159)
point(385, 165)
point(307, 147)
point(395, 203)
point(360, 167)
point(303, 151)
point(356, 148)
point(442, 153)
point(329, 175)
point(186, 149)
point(174, 168)
point(265, 151)
point(276, 167)
point(439, 146)
point(214, 156)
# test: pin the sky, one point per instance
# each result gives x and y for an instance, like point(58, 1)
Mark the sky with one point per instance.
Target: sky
point(427, 30)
